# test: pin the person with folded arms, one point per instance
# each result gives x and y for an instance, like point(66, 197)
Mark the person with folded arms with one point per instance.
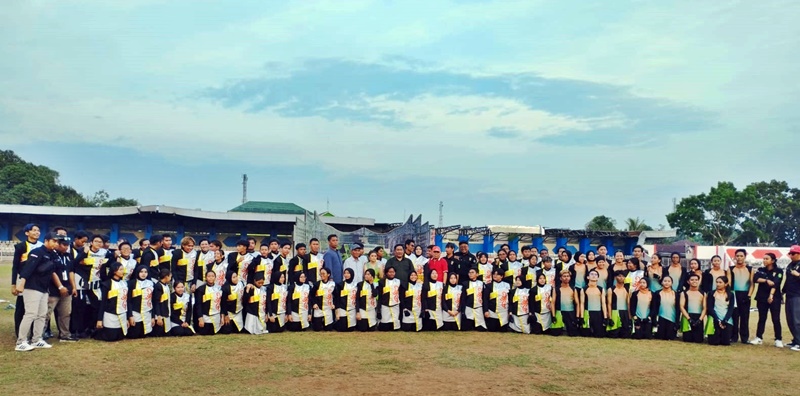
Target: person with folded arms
point(768, 298)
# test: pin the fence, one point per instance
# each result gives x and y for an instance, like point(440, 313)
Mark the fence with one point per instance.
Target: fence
point(311, 226)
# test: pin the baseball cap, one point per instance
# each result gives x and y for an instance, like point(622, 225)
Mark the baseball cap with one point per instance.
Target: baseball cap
point(51, 236)
point(794, 249)
point(436, 249)
point(357, 245)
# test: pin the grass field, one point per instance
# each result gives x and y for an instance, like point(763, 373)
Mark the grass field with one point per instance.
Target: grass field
point(396, 363)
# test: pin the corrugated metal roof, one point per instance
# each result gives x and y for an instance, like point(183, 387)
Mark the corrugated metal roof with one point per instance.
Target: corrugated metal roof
point(200, 214)
point(269, 207)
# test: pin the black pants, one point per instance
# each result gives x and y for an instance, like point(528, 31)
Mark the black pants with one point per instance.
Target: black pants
point(774, 310)
point(695, 333)
point(295, 326)
point(536, 327)
point(597, 326)
point(721, 336)
point(469, 324)
point(319, 324)
point(493, 325)
point(429, 325)
point(570, 325)
point(666, 331)
point(341, 325)
point(159, 331)
point(450, 326)
point(625, 330)
point(741, 317)
point(275, 327)
point(19, 312)
point(363, 325)
point(180, 332)
point(82, 320)
point(644, 331)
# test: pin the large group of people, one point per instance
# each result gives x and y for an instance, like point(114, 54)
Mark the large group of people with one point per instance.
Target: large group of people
point(194, 287)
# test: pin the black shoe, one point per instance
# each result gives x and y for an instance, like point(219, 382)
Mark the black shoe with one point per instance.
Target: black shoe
point(47, 335)
point(68, 339)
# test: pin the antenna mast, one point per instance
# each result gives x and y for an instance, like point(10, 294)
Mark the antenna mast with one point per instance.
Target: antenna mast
point(441, 214)
point(244, 188)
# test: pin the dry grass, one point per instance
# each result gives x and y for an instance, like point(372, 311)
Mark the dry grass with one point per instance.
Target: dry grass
point(380, 363)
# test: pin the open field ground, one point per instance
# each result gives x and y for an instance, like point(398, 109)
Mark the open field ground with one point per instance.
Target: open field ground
point(397, 363)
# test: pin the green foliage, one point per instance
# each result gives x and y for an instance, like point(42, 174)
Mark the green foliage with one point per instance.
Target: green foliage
point(764, 212)
point(23, 183)
point(636, 224)
point(601, 223)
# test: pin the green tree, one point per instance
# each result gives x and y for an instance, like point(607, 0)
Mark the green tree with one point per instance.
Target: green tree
point(119, 202)
point(636, 224)
point(601, 223)
point(771, 214)
point(23, 183)
point(715, 216)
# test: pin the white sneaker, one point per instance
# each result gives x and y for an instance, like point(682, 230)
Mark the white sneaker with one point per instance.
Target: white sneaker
point(756, 341)
point(778, 344)
point(24, 347)
point(42, 345)
point(796, 348)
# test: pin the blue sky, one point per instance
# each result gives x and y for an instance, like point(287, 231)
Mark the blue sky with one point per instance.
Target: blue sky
point(511, 112)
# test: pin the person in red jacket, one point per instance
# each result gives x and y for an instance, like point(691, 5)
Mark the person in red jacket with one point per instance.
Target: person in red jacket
point(436, 263)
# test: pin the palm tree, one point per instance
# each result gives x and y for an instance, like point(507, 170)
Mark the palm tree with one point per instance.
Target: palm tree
point(636, 224)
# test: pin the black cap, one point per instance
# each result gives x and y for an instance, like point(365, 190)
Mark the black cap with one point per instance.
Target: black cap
point(51, 236)
point(357, 245)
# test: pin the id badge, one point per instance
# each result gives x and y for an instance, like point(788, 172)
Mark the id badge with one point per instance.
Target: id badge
point(64, 276)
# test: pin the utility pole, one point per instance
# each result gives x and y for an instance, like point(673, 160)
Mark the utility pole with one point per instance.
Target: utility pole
point(244, 188)
point(441, 214)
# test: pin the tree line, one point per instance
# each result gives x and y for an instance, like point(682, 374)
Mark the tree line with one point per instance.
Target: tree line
point(763, 213)
point(24, 183)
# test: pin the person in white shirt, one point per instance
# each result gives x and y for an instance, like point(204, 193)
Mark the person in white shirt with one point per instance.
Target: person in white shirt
point(356, 261)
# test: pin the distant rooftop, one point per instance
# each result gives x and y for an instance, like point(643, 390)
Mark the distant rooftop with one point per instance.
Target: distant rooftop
point(269, 207)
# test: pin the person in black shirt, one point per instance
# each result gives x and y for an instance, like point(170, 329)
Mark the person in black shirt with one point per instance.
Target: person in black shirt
point(464, 261)
point(21, 251)
point(769, 298)
point(61, 291)
point(791, 289)
point(33, 284)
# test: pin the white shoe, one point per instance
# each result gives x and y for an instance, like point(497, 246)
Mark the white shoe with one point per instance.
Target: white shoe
point(24, 347)
point(796, 348)
point(756, 341)
point(778, 344)
point(42, 345)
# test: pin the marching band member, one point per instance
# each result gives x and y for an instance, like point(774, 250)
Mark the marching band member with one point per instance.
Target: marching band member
point(390, 290)
point(232, 301)
point(256, 305)
point(366, 304)
point(519, 306)
point(452, 307)
point(432, 293)
point(298, 305)
point(324, 307)
point(346, 294)
point(112, 324)
point(180, 319)
point(412, 303)
point(140, 303)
